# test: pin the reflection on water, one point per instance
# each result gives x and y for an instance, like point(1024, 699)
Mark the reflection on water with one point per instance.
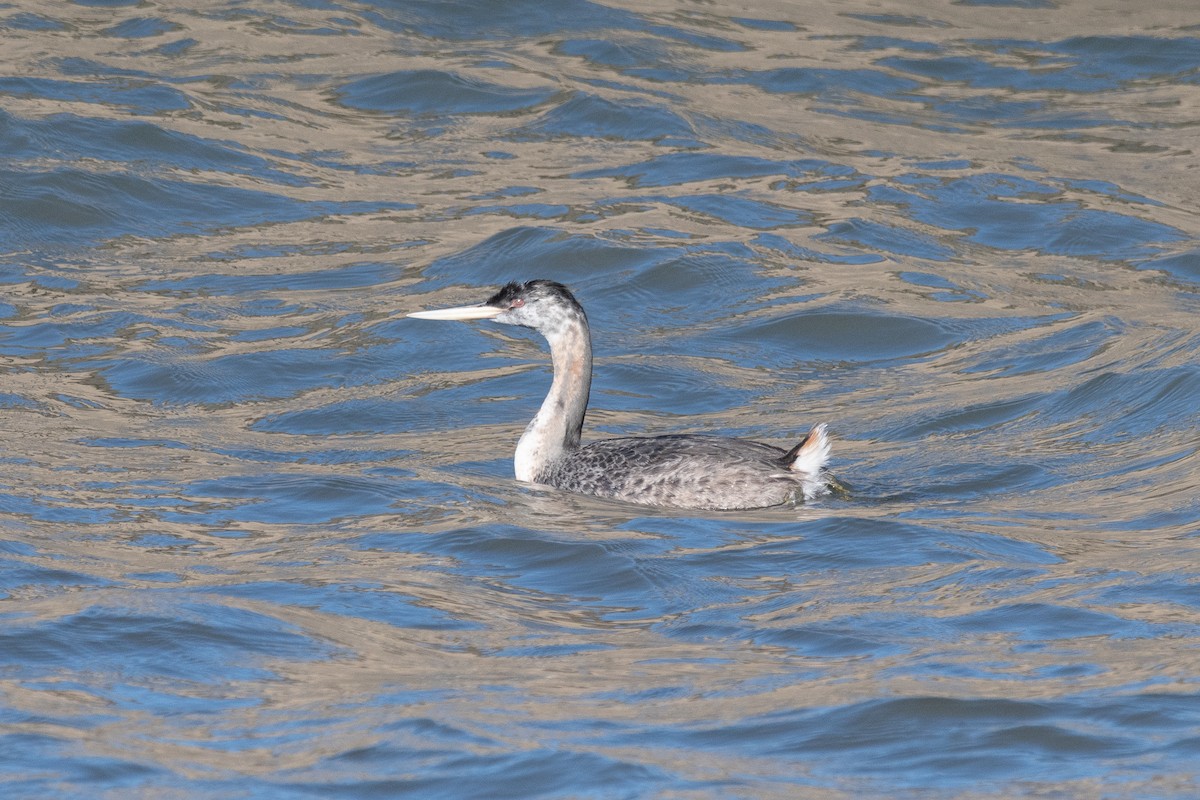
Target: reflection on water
point(259, 535)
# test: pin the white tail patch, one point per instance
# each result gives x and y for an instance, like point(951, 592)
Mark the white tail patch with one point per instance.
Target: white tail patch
point(811, 457)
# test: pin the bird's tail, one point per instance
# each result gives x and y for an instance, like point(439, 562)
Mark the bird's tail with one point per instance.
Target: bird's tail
point(808, 460)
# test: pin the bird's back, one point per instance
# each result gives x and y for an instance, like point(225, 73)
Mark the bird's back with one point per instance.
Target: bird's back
point(708, 472)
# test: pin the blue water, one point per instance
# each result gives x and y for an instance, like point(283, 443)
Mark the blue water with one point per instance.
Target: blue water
point(259, 535)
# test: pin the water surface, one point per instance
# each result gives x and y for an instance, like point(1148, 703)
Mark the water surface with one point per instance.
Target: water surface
point(258, 532)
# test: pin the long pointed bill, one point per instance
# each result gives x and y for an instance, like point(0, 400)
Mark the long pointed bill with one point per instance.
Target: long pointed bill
point(460, 313)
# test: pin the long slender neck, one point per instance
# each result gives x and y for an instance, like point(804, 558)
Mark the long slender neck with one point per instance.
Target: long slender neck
point(556, 428)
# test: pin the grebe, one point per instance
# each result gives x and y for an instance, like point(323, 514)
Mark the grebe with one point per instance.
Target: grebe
point(681, 471)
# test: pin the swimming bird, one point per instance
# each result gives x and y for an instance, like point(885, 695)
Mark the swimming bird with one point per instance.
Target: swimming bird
point(681, 471)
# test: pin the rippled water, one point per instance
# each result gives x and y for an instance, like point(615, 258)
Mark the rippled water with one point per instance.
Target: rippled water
point(258, 532)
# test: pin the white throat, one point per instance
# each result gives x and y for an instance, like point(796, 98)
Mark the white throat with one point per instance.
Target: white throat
point(556, 429)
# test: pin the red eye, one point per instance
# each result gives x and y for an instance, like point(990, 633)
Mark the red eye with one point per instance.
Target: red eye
point(517, 303)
